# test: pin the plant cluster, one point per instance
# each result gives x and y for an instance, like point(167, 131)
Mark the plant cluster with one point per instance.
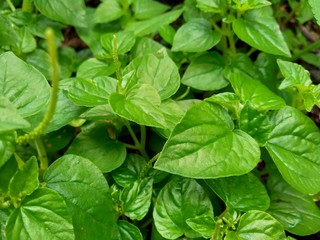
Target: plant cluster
point(136, 119)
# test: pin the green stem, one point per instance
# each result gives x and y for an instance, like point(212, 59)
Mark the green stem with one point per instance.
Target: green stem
point(143, 136)
point(41, 154)
point(232, 44)
point(217, 228)
point(224, 42)
point(27, 6)
point(11, 6)
point(116, 61)
point(309, 48)
point(130, 146)
point(183, 95)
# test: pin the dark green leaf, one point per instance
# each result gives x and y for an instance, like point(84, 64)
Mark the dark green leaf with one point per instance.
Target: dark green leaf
point(259, 29)
point(108, 11)
point(203, 225)
point(95, 144)
point(144, 9)
point(206, 145)
point(206, 73)
point(294, 147)
point(195, 36)
point(6, 173)
point(42, 215)
point(8, 34)
point(71, 12)
point(125, 41)
point(87, 196)
point(128, 231)
point(4, 214)
point(179, 200)
point(243, 193)
point(7, 146)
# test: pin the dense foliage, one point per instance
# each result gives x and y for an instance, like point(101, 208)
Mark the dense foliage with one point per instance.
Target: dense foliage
point(143, 119)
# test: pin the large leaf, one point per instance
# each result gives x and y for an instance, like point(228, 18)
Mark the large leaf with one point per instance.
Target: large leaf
point(157, 70)
point(128, 231)
point(206, 73)
point(206, 145)
point(87, 196)
point(179, 200)
point(20, 83)
point(315, 9)
point(94, 144)
point(259, 29)
point(195, 36)
point(297, 212)
point(259, 96)
point(294, 145)
point(71, 12)
point(42, 215)
point(243, 193)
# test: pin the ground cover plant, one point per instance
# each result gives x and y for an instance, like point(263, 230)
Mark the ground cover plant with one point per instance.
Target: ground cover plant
point(141, 119)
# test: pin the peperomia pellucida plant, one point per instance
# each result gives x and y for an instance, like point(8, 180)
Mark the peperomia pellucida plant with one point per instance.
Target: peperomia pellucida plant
point(144, 119)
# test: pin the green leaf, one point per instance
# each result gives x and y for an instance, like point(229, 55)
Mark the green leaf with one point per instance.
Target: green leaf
point(93, 67)
point(8, 34)
point(40, 59)
point(179, 200)
point(203, 225)
point(10, 119)
point(71, 12)
point(157, 70)
point(215, 6)
point(108, 11)
point(195, 36)
point(4, 214)
point(259, 29)
point(206, 73)
point(206, 145)
point(259, 225)
point(7, 171)
point(167, 33)
point(129, 172)
point(27, 41)
point(297, 212)
point(255, 123)
point(145, 27)
point(294, 147)
point(315, 9)
point(87, 196)
point(144, 9)
point(20, 83)
point(94, 144)
point(128, 231)
point(136, 198)
point(243, 193)
point(244, 5)
point(42, 215)
point(125, 41)
point(145, 46)
point(101, 112)
point(89, 92)
point(25, 180)
point(253, 91)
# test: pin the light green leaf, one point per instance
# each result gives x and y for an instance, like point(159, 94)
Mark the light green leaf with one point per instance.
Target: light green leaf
point(94, 144)
point(157, 70)
point(27, 41)
point(128, 231)
point(167, 33)
point(136, 198)
point(206, 145)
point(71, 12)
point(25, 180)
point(244, 5)
point(315, 9)
point(253, 91)
point(144, 9)
point(42, 215)
point(125, 41)
point(10, 119)
point(294, 147)
point(4, 214)
point(108, 11)
point(195, 36)
point(145, 46)
point(203, 225)
point(89, 92)
point(297, 212)
point(87, 195)
point(243, 193)
point(206, 73)
point(145, 27)
point(101, 112)
point(215, 6)
point(8, 34)
point(40, 59)
point(20, 83)
point(259, 29)
point(259, 226)
point(179, 200)
point(93, 67)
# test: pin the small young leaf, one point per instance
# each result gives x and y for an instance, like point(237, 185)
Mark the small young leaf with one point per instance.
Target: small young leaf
point(179, 200)
point(128, 231)
point(243, 193)
point(206, 73)
point(136, 198)
point(87, 195)
point(215, 6)
point(244, 5)
point(259, 29)
point(42, 215)
point(167, 32)
point(294, 147)
point(195, 36)
point(25, 180)
point(203, 225)
point(206, 145)
point(93, 67)
point(144, 9)
point(108, 11)
point(94, 144)
point(8, 34)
